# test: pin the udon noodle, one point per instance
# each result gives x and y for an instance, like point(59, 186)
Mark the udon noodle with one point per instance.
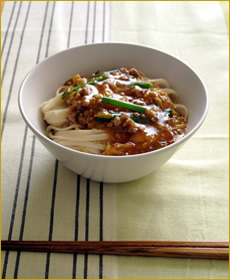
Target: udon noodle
point(117, 112)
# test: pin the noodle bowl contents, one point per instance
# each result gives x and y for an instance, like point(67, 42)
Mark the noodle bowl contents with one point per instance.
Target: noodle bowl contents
point(117, 112)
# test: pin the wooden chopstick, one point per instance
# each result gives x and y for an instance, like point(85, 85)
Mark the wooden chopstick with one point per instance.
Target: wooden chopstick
point(172, 249)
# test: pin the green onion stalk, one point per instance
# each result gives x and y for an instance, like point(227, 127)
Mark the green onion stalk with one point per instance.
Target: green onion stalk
point(101, 77)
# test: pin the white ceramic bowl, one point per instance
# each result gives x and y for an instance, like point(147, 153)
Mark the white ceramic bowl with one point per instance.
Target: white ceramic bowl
point(42, 81)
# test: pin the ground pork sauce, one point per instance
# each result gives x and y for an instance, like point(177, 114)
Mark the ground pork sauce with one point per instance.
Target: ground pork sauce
point(130, 132)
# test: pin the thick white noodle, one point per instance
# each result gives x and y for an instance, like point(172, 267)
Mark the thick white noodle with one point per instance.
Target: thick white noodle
point(182, 109)
point(173, 95)
point(83, 140)
point(50, 127)
point(56, 117)
point(162, 83)
point(78, 136)
point(60, 90)
point(55, 111)
point(92, 145)
point(52, 103)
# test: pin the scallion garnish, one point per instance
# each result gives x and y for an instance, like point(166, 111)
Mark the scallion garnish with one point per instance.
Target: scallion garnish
point(170, 112)
point(141, 120)
point(91, 82)
point(65, 94)
point(141, 84)
point(106, 119)
point(105, 73)
point(101, 77)
point(122, 104)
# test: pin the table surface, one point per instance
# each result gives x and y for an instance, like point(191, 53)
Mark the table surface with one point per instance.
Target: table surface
point(186, 199)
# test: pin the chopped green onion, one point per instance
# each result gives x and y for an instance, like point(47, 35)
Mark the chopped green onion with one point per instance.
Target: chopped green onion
point(141, 84)
point(122, 104)
point(91, 82)
point(170, 112)
point(65, 94)
point(105, 73)
point(102, 119)
point(104, 77)
point(106, 119)
point(79, 86)
point(141, 120)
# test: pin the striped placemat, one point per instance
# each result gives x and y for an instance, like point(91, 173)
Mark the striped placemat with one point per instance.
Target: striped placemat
point(42, 199)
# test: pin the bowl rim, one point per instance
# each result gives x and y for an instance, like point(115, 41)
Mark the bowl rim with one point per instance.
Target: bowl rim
point(44, 137)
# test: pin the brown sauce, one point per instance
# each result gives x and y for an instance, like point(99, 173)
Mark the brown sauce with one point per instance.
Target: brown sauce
point(129, 132)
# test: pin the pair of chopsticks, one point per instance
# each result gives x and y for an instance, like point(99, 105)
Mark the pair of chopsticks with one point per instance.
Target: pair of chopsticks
point(172, 249)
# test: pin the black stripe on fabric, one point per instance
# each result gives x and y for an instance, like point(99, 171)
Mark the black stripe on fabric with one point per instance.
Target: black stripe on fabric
point(5, 264)
point(56, 162)
point(77, 207)
point(7, 29)
point(87, 210)
point(50, 28)
point(76, 223)
point(14, 72)
point(15, 201)
point(51, 218)
point(25, 207)
point(17, 265)
point(88, 181)
point(94, 21)
point(11, 43)
point(53, 201)
point(47, 266)
point(101, 183)
point(27, 189)
point(103, 26)
point(87, 23)
point(42, 32)
point(87, 226)
point(101, 210)
point(70, 24)
point(101, 229)
point(74, 266)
